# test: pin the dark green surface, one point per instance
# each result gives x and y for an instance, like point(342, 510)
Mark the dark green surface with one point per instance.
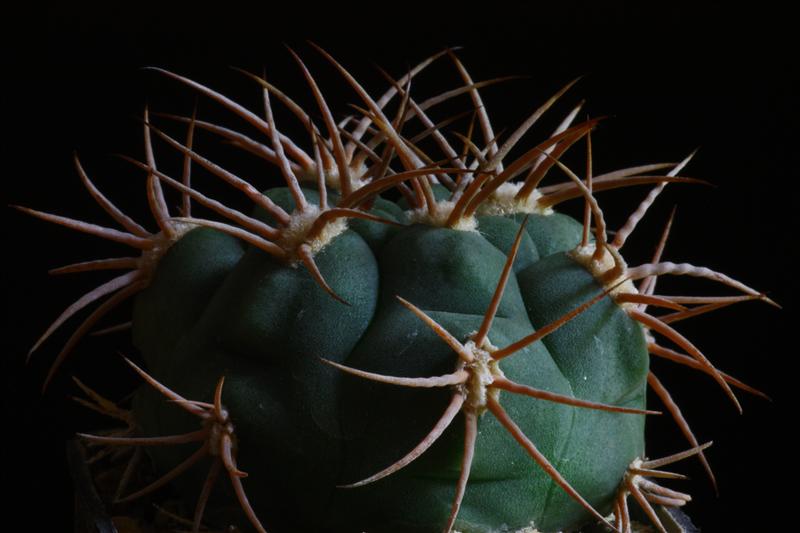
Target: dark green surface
point(305, 427)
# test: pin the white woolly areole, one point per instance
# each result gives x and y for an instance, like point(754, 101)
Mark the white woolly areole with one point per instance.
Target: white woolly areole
point(482, 373)
point(218, 427)
point(296, 232)
point(635, 479)
point(332, 180)
point(150, 258)
point(598, 268)
point(504, 201)
point(444, 208)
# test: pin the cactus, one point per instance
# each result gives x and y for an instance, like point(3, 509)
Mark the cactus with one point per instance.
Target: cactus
point(396, 340)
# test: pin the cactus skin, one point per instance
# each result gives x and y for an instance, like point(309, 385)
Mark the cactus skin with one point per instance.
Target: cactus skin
point(335, 428)
point(270, 329)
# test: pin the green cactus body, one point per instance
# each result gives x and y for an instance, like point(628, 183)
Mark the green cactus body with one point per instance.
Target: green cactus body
point(464, 358)
point(265, 326)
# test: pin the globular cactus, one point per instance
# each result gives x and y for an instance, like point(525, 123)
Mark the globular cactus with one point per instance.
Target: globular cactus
point(396, 341)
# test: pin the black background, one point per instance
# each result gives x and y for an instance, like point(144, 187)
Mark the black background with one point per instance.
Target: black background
point(671, 78)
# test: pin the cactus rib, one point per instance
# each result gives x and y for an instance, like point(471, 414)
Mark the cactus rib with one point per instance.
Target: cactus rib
point(219, 441)
point(476, 387)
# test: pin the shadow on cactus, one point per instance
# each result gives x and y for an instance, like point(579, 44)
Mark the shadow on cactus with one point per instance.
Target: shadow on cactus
point(411, 338)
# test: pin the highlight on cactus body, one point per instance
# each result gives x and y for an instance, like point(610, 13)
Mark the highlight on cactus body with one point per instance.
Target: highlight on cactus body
point(410, 336)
